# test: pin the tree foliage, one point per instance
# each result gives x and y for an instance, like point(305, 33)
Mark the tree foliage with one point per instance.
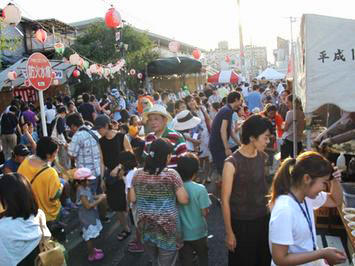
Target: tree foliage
point(6, 43)
point(99, 45)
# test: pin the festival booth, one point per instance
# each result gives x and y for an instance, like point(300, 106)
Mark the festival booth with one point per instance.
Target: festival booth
point(13, 82)
point(270, 74)
point(175, 72)
point(324, 74)
point(224, 76)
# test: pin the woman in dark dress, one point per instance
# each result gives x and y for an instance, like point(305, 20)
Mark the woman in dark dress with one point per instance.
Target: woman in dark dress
point(112, 143)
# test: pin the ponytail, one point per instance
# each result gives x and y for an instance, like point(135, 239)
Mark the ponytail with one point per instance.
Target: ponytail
point(157, 158)
point(282, 181)
point(292, 172)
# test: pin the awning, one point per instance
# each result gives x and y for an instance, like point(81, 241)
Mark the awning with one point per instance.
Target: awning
point(225, 76)
point(174, 65)
point(62, 70)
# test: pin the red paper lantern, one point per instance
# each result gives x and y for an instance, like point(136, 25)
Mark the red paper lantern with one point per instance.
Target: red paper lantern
point(227, 59)
point(113, 19)
point(41, 35)
point(76, 73)
point(196, 53)
point(12, 75)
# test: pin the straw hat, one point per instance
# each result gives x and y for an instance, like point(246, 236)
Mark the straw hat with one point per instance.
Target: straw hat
point(185, 120)
point(157, 109)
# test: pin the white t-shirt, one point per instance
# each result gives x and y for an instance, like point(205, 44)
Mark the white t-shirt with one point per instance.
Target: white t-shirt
point(50, 115)
point(19, 237)
point(288, 226)
point(129, 179)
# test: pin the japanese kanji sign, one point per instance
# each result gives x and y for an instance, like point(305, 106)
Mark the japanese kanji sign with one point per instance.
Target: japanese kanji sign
point(325, 63)
point(39, 71)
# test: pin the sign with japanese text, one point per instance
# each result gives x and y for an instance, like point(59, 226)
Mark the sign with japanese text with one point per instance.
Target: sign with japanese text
point(327, 56)
point(39, 71)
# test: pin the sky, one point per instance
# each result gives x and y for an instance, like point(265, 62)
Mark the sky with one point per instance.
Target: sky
point(201, 23)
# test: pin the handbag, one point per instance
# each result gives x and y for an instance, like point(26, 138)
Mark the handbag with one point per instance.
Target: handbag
point(59, 138)
point(51, 253)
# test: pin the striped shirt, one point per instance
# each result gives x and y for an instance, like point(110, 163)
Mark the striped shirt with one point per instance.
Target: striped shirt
point(157, 209)
point(175, 138)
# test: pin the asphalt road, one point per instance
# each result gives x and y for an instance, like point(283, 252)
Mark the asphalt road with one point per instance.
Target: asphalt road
point(116, 251)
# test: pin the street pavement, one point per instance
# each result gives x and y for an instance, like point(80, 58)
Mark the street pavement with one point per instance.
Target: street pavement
point(116, 253)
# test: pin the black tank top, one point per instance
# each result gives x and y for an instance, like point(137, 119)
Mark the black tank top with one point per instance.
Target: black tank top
point(248, 198)
point(111, 149)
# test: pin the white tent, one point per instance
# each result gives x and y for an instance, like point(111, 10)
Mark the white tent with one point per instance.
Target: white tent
point(270, 74)
point(325, 63)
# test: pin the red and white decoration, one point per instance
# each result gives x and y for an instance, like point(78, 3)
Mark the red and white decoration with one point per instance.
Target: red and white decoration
point(174, 46)
point(113, 19)
point(27, 94)
point(226, 76)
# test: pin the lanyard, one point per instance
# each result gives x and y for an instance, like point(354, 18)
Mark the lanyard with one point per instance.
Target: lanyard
point(307, 216)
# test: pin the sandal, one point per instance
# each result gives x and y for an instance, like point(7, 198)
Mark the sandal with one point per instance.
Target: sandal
point(123, 235)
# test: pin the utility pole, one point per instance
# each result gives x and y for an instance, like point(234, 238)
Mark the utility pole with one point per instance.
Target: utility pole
point(294, 127)
point(242, 59)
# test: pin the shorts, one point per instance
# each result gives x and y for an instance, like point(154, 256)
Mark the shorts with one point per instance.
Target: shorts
point(218, 158)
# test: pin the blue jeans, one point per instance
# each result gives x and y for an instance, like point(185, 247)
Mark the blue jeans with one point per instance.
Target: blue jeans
point(159, 256)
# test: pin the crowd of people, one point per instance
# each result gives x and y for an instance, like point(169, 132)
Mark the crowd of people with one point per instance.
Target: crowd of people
point(150, 161)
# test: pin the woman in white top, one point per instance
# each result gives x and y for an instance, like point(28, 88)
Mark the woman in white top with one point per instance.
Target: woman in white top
point(20, 221)
point(298, 189)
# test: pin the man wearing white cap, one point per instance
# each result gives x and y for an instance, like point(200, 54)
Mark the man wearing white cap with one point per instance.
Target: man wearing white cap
point(158, 118)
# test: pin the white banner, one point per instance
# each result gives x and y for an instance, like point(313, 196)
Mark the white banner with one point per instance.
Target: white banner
point(328, 65)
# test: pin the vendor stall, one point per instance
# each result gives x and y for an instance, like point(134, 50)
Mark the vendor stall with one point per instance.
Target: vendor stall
point(175, 72)
point(224, 76)
point(324, 67)
point(270, 74)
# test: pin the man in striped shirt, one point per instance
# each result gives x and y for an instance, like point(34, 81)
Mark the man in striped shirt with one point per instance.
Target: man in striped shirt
point(158, 119)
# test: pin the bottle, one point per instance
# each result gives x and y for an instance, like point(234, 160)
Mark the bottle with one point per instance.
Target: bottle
point(341, 163)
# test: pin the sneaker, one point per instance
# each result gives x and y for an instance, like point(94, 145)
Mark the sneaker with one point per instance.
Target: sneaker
point(98, 250)
point(96, 256)
point(138, 248)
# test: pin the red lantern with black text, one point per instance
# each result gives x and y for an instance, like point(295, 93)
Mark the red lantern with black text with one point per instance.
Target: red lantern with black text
point(113, 19)
point(41, 35)
point(196, 53)
point(76, 73)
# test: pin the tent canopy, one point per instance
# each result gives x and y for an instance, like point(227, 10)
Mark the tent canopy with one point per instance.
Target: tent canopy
point(270, 74)
point(174, 65)
point(325, 63)
point(63, 72)
point(224, 76)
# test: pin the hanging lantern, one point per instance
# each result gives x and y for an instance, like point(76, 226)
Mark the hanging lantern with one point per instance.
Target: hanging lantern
point(86, 64)
point(55, 82)
point(88, 72)
point(74, 59)
point(132, 72)
point(93, 68)
point(139, 75)
point(196, 53)
point(76, 73)
point(59, 48)
point(41, 35)
point(233, 62)
point(100, 71)
point(174, 46)
point(11, 15)
point(227, 59)
point(12, 75)
point(113, 19)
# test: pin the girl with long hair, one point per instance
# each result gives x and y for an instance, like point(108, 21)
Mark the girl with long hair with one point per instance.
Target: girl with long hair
point(157, 190)
point(297, 189)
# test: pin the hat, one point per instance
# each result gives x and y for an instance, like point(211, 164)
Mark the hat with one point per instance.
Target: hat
point(185, 120)
point(83, 174)
point(157, 109)
point(101, 121)
point(115, 93)
point(21, 150)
